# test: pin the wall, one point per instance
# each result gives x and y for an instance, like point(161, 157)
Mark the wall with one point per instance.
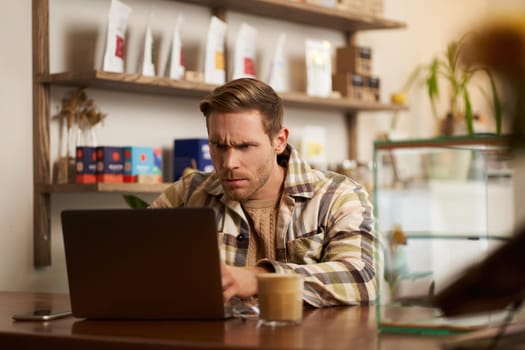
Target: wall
point(430, 25)
point(16, 177)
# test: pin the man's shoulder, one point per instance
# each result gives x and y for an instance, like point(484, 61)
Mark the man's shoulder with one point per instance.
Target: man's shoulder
point(197, 175)
point(304, 180)
point(201, 180)
point(323, 179)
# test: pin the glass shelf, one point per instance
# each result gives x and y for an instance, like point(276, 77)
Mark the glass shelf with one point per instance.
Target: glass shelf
point(441, 205)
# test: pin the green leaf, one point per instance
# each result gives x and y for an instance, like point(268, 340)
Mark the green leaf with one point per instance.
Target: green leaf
point(412, 77)
point(432, 85)
point(497, 104)
point(135, 202)
point(468, 112)
point(452, 49)
point(495, 98)
point(432, 80)
point(460, 46)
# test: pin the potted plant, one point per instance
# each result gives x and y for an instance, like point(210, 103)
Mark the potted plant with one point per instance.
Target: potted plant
point(500, 45)
point(458, 74)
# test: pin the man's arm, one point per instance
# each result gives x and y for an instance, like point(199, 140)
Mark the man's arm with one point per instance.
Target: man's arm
point(345, 280)
point(340, 270)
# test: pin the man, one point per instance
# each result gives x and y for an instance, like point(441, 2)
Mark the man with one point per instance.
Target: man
point(274, 212)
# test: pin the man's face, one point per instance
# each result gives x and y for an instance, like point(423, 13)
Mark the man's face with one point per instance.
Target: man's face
point(243, 155)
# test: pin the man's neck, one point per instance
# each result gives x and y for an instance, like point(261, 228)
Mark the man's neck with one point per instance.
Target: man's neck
point(274, 185)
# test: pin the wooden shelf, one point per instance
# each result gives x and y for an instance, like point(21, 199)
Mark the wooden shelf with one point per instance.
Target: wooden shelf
point(304, 13)
point(289, 11)
point(180, 88)
point(128, 82)
point(296, 99)
point(102, 187)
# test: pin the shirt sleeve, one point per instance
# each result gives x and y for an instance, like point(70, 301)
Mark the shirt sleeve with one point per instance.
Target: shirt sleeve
point(345, 272)
point(172, 197)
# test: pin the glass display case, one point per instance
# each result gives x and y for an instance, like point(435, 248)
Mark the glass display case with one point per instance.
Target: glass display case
point(441, 205)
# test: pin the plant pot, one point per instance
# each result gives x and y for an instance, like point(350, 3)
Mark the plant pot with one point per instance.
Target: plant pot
point(452, 125)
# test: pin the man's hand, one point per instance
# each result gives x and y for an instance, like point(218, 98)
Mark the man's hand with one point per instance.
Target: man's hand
point(240, 281)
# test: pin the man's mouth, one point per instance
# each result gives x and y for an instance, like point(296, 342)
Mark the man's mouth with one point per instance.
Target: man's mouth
point(234, 182)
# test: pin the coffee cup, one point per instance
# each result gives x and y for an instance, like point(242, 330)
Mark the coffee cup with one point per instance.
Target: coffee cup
point(280, 299)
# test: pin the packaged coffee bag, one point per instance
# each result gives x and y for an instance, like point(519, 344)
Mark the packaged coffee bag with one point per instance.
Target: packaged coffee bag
point(214, 65)
point(277, 78)
point(146, 61)
point(175, 66)
point(318, 68)
point(244, 55)
point(116, 37)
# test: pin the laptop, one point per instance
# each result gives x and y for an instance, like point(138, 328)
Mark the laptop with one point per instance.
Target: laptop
point(143, 263)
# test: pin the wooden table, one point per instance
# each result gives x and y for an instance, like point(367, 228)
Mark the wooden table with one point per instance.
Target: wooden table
point(328, 328)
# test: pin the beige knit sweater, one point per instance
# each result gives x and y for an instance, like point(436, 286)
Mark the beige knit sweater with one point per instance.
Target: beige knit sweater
point(262, 216)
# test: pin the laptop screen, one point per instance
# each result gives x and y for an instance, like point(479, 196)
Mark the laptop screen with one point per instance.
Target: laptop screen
point(143, 263)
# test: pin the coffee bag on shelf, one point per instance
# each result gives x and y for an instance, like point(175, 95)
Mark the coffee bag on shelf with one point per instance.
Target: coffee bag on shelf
point(114, 56)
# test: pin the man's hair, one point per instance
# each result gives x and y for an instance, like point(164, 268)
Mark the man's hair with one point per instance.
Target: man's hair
point(246, 94)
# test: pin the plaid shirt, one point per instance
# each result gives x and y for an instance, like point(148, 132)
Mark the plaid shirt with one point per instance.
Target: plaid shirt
point(324, 229)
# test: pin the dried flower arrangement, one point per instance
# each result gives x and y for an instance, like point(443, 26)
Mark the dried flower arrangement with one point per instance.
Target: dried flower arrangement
point(76, 119)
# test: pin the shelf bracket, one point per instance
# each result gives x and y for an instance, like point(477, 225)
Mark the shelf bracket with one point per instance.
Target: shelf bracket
point(351, 131)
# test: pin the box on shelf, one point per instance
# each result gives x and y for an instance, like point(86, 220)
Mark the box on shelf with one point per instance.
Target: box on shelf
point(110, 164)
point(86, 165)
point(157, 164)
point(354, 59)
point(441, 205)
point(191, 153)
point(373, 89)
point(138, 164)
point(350, 85)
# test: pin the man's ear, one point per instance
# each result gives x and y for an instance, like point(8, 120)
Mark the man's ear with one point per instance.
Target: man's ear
point(281, 140)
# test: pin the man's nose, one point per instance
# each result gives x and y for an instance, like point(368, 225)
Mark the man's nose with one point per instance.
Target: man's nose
point(230, 159)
